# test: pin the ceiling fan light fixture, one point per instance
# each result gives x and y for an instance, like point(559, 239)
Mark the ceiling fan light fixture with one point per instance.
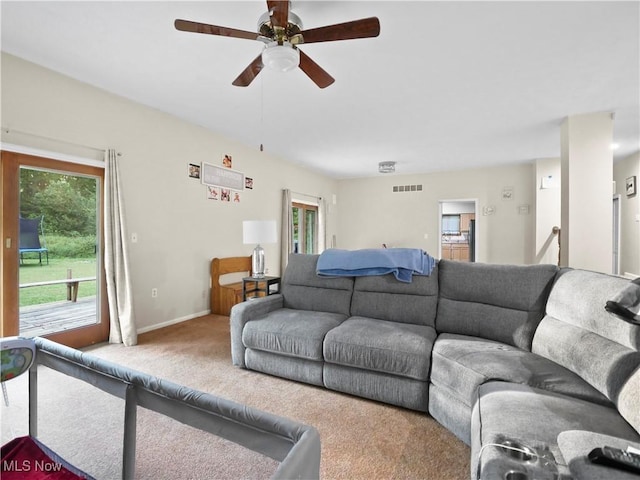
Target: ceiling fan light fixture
point(387, 167)
point(280, 58)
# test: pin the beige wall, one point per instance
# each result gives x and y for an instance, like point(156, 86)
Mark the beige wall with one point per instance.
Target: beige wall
point(547, 187)
point(629, 215)
point(178, 229)
point(548, 212)
point(372, 214)
point(587, 177)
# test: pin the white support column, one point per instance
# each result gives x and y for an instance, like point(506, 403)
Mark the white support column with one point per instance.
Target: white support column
point(587, 189)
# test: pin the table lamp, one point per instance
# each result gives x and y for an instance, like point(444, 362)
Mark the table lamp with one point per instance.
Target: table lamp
point(258, 231)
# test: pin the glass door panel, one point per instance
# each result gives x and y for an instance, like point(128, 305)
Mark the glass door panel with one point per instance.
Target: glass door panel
point(309, 231)
point(58, 278)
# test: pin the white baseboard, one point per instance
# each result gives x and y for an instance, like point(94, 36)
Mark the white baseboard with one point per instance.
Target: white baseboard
point(631, 276)
point(172, 322)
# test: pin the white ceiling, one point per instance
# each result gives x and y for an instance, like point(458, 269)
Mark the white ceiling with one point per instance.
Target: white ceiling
point(446, 85)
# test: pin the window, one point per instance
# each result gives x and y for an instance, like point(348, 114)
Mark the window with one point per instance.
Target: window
point(451, 224)
point(305, 228)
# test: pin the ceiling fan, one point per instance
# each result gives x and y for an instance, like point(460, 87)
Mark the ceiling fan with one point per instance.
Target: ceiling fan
point(281, 31)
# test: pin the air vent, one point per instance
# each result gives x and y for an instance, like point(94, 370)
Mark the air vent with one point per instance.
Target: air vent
point(407, 188)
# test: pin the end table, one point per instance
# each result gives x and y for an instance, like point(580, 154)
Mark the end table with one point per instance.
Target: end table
point(253, 287)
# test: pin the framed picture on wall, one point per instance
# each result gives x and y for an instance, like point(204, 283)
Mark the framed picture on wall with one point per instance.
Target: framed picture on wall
point(631, 186)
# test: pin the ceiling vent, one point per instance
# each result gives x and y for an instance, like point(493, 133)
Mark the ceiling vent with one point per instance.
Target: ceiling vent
point(387, 167)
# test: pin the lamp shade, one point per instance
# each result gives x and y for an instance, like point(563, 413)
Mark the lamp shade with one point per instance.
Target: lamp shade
point(259, 231)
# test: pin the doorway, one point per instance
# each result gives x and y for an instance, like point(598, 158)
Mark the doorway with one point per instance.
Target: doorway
point(59, 291)
point(458, 230)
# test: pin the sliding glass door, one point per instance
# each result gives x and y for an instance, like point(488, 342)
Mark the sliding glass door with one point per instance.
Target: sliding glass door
point(305, 225)
point(52, 278)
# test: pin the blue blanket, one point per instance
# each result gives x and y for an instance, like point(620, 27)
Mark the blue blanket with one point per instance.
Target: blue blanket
point(402, 262)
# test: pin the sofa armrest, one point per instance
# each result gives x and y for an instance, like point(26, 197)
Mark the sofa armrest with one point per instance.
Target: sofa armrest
point(244, 312)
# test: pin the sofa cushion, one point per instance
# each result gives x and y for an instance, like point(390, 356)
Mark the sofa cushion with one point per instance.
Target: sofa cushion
point(628, 401)
point(447, 409)
point(579, 297)
point(382, 387)
point(298, 333)
point(534, 417)
point(577, 326)
point(303, 289)
point(386, 298)
point(463, 363)
point(293, 368)
point(397, 348)
point(498, 302)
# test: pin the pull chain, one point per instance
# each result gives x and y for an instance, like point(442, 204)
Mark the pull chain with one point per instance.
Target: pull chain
point(261, 112)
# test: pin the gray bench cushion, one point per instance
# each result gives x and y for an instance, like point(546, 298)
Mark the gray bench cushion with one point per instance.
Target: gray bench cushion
point(298, 333)
point(386, 298)
point(498, 302)
point(389, 347)
point(533, 416)
point(303, 289)
point(463, 363)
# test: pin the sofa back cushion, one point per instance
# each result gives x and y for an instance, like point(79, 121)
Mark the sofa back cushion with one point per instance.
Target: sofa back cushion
point(497, 302)
point(302, 289)
point(579, 334)
point(385, 298)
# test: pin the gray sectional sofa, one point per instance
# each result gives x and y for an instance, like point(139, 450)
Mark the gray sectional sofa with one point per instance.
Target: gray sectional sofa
point(522, 363)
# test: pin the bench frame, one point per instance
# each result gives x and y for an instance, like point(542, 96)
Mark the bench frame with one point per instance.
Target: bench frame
point(223, 297)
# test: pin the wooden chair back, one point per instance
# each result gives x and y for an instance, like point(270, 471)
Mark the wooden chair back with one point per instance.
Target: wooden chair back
point(225, 296)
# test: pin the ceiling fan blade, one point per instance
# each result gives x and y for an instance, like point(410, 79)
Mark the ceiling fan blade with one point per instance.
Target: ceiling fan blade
point(279, 12)
point(364, 28)
point(314, 71)
point(249, 73)
point(195, 27)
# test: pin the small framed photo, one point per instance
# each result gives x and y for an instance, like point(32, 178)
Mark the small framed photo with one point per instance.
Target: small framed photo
point(213, 193)
point(248, 183)
point(194, 170)
point(630, 186)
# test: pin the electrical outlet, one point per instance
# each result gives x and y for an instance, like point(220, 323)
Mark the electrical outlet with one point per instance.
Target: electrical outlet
point(154, 292)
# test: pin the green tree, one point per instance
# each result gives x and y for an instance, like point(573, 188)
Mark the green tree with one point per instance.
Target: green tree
point(68, 202)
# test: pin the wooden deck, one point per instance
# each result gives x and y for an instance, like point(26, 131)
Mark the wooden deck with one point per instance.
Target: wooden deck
point(38, 320)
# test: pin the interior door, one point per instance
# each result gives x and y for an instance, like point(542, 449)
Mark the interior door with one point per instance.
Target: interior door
point(64, 298)
point(615, 268)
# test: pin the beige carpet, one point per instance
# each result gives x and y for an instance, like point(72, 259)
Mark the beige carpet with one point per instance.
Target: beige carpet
point(361, 439)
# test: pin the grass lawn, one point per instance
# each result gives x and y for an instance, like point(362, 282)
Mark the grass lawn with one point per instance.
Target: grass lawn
point(31, 271)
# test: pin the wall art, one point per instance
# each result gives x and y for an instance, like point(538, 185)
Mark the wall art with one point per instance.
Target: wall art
point(630, 186)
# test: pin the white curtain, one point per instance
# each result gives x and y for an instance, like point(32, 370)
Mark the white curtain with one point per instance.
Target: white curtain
point(116, 259)
point(286, 244)
point(322, 225)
